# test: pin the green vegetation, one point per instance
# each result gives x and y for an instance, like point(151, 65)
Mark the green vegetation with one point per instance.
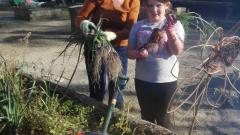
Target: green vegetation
point(185, 19)
point(192, 20)
point(31, 108)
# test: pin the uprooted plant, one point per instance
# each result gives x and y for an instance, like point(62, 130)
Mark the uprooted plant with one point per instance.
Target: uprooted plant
point(215, 60)
point(97, 50)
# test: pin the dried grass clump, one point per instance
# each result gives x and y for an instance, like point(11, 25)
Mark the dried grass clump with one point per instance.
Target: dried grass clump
point(223, 54)
point(217, 61)
point(113, 65)
point(110, 59)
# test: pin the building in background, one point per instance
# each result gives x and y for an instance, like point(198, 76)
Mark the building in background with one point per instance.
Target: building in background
point(4, 3)
point(222, 9)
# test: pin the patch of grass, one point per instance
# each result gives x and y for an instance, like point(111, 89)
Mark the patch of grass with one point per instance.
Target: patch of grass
point(185, 18)
point(28, 108)
point(13, 100)
point(58, 119)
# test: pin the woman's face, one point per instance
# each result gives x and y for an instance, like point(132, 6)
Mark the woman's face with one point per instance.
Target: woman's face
point(155, 10)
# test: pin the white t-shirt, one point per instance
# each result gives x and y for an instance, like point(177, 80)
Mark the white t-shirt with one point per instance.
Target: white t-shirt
point(160, 66)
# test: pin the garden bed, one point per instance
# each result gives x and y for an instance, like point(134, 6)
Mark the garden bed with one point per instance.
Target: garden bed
point(140, 126)
point(32, 106)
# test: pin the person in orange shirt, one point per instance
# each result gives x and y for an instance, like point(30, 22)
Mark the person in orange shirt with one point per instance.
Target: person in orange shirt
point(119, 16)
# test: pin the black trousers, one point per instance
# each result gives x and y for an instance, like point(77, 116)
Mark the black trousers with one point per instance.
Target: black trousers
point(153, 99)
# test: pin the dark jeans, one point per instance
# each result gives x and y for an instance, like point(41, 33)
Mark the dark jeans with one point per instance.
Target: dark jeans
point(153, 99)
point(98, 89)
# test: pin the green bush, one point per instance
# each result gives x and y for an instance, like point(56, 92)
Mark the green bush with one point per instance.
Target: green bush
point(28, 107)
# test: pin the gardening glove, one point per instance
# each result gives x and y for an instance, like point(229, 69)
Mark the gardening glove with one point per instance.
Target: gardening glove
point(110, 35)
point(171, 21)
point(169, 27)
point(87, 27)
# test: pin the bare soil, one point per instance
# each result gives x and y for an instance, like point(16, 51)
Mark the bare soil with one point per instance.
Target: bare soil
point(40, 58)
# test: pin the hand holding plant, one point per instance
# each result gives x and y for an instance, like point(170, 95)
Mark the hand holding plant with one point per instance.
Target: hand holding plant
point(87, 27)
point(110, 35)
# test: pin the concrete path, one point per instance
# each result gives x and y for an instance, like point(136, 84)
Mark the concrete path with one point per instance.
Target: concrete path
point(48, 39)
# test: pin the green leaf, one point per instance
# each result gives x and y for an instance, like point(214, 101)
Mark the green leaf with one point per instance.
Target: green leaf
point(3, 100)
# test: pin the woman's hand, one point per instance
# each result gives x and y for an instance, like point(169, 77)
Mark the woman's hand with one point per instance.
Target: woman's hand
point(87, 27)
point(110, 35)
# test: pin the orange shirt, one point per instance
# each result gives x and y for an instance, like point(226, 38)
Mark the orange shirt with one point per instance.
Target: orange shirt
point(119, 20)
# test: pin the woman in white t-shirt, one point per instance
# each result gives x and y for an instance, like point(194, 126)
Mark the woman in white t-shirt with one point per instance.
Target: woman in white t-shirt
point(156, 59)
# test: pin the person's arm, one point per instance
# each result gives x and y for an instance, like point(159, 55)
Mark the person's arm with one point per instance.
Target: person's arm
point(175, 44)
point(132, 51)
point(132, 18)
point(135, 54)
point(88, 7)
